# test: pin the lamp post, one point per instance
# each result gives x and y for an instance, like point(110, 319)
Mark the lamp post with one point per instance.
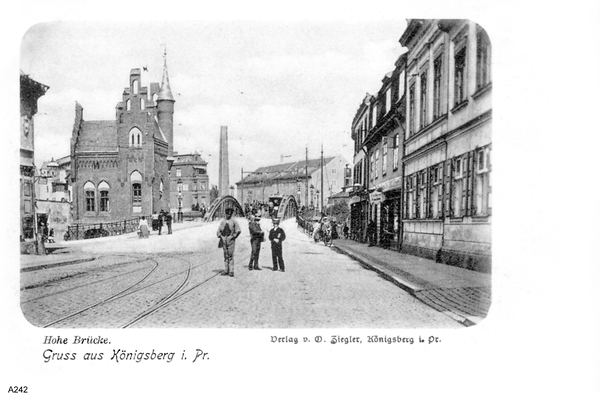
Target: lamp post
point(312, 197)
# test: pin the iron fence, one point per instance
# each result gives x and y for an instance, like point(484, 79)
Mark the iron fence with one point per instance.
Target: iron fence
point(90, 231)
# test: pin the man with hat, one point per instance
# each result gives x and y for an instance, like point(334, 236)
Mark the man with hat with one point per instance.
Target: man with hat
point(277, 236)
point(257, 236)
point(228, 231)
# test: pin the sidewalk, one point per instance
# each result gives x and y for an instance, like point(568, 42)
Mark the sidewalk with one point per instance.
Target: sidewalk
point(461, 294)
point(35, 262)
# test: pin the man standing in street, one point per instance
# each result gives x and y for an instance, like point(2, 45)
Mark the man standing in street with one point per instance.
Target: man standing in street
point(277, 236)
point(169, 219)
point(161, 216)
point(257, 236)
point(228, 231)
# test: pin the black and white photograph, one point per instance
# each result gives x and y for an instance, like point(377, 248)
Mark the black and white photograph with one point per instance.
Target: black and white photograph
point(244, 195)
point(212, 142)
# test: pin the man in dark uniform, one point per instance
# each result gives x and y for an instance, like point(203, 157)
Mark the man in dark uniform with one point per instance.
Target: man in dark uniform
point(169, 219)
point(161, 216)
point(277, 236)
point(256, 238)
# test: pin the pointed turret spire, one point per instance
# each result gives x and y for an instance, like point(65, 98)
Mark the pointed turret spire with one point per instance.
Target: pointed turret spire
point(165, 88)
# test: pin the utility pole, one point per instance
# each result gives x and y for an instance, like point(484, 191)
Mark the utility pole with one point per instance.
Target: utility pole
point(242, 187)
point(306, 178)
point(321, 177)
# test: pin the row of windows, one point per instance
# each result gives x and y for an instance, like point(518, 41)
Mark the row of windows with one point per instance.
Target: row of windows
point(483, 78)
point(103, 192)
point(458, 187)
point(394, 142)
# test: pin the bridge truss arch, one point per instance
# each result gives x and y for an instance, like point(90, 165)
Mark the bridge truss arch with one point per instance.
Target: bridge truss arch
point(217, 209)
point(288, 208)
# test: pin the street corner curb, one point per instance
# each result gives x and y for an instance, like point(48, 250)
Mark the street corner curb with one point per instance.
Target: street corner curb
point(401, 283)
point(57, 264)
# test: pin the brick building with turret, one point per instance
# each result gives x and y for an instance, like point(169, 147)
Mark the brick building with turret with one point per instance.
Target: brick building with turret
point(120, 167)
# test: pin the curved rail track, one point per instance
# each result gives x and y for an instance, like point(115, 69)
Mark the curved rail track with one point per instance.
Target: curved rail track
point(155, 289)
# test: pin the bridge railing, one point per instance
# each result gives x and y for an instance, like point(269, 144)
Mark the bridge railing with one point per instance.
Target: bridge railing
point(90, 231)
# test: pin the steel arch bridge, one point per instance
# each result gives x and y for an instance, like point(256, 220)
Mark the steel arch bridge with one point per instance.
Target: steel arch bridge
point(218, 207)
point(288, 208)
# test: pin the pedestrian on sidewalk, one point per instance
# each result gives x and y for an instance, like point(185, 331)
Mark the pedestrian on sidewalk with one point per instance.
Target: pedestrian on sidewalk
point(228, 232)
point(169, 219)
point(144, 232)
point(277, 236)
point(346, 230)
point(257, 236)
point(372, 233)
point(161, 217)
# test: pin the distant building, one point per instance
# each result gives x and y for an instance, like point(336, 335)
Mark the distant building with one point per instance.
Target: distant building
point(189, 183)
point(31, 91)
point(53, 195)
point(300, 179)
point(53, 182)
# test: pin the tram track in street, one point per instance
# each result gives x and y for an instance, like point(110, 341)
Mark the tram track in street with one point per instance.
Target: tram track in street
point(134, 288)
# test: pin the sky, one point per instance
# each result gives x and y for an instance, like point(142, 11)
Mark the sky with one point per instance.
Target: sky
point(279, 86)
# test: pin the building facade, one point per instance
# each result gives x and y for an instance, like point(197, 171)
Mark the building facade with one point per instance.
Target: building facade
point(448, 143)
point(377, 130)
point(120, 168)
point(302, 179)
point(30, 92)
point(189, 183)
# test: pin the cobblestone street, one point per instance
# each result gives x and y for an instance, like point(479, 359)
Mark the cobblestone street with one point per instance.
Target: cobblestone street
point(320, 288)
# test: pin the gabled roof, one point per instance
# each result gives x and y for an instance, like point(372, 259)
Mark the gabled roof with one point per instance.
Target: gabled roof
point(285, 171)
point(97, 136)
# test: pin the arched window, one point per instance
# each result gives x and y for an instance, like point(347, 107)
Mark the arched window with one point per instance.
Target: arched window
point(155, 97)
point(136, 191)
point(128, 105)
point(90, 197)
point(135, 137)
point(135, 87)
point(161, 189)
point(142, 104)
point(104, 190)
